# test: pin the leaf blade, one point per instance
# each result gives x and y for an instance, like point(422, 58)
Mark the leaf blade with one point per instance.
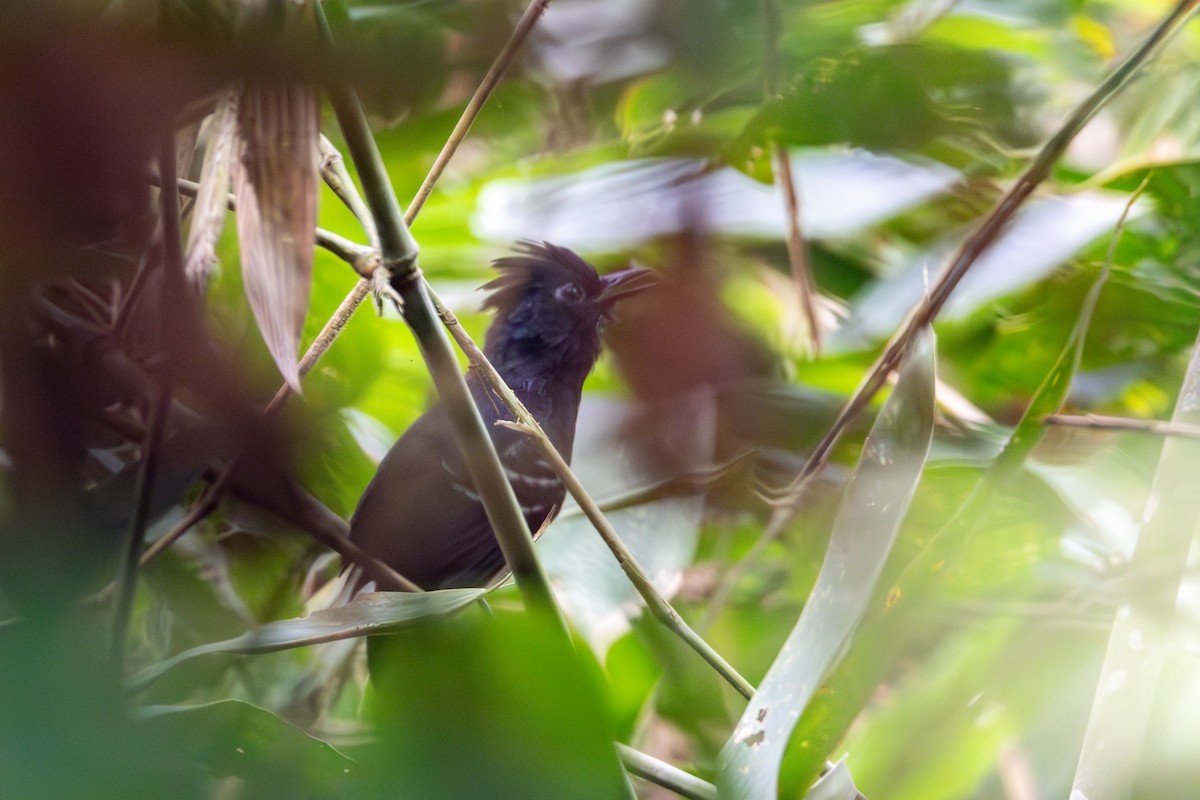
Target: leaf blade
point(866, 526)
point(370, 613)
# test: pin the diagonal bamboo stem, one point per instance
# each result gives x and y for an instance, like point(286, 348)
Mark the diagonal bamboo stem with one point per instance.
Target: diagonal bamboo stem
point(399, 250)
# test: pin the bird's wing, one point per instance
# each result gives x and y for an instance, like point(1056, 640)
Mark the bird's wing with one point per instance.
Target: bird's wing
point(419, 514)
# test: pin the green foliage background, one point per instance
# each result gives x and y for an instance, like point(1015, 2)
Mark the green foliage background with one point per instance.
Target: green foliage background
point(978, 687)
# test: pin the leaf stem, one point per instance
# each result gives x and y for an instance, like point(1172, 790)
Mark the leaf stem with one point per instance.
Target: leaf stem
point(782, 164)
point(666, 775)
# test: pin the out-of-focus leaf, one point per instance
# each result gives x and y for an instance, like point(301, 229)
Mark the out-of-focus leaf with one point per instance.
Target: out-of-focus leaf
point(275, 185)
point(272, 757)
point(868, 519)
point(955, 702)
point(489, 706)
point(370, 613)
point(400, 51)
point(598, 41)
point(192, 582)
point(623, 204)
point(969, 30)
point(208, 214)
point(1160, 125)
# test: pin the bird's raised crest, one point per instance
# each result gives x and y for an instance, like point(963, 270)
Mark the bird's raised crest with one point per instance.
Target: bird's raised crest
point(537, 265)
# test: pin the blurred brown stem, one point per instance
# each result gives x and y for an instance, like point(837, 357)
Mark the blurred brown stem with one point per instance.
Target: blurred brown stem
point(1102, 422)
point(781, 162)
point(172, 264)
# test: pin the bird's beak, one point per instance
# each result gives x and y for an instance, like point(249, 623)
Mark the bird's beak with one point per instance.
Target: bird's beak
point(627, 282)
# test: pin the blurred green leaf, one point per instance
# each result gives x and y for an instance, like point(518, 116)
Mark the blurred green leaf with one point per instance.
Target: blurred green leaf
point(273, 758)
point(489, 706)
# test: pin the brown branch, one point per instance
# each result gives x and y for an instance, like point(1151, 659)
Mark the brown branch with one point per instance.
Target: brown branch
point(782, 165)
point(797, 249)
point(1102, 422)
point(490, 81)
point(172, 247)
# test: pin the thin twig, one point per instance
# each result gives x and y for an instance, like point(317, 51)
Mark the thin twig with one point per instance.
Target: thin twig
point(966, 255)
point(662, 610)
point(526, 423)
point(337, 178)
point(126, 583)
point(1102, 422)
point(665, 775)
point(361, 257)
point(490, 81)
point(782, 163)
point(150, 258)
point(796, 247)
point(207, 503)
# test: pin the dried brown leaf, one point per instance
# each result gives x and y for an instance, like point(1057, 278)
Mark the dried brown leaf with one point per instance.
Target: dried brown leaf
point(208, 214)
point(275, 187)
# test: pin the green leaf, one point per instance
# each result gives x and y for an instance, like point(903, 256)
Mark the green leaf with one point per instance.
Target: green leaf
point(489, 707)
point(273, 758)
point(871, 511)
point(895, 621)
point(370, 613)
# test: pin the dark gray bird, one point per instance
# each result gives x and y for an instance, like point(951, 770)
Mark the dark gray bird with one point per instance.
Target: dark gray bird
point(420, 513)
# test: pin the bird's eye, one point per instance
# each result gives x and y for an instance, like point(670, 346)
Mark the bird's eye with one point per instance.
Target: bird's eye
point(569, 293)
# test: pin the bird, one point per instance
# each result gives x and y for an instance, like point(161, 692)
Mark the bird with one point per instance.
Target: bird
point(420, 513)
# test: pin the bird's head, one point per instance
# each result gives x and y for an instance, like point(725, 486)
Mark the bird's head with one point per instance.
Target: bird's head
point(549, 306)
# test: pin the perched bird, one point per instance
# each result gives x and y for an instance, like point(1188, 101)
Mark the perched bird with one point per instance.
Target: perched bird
point(420, 513)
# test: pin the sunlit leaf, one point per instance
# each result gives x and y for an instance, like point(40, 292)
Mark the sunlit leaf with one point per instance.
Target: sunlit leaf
point(869, 518)
point(884, 630)
point(836, 784)
point(1141, 631)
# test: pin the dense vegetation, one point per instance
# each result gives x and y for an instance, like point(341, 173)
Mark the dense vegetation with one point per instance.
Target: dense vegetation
point(901, 447)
